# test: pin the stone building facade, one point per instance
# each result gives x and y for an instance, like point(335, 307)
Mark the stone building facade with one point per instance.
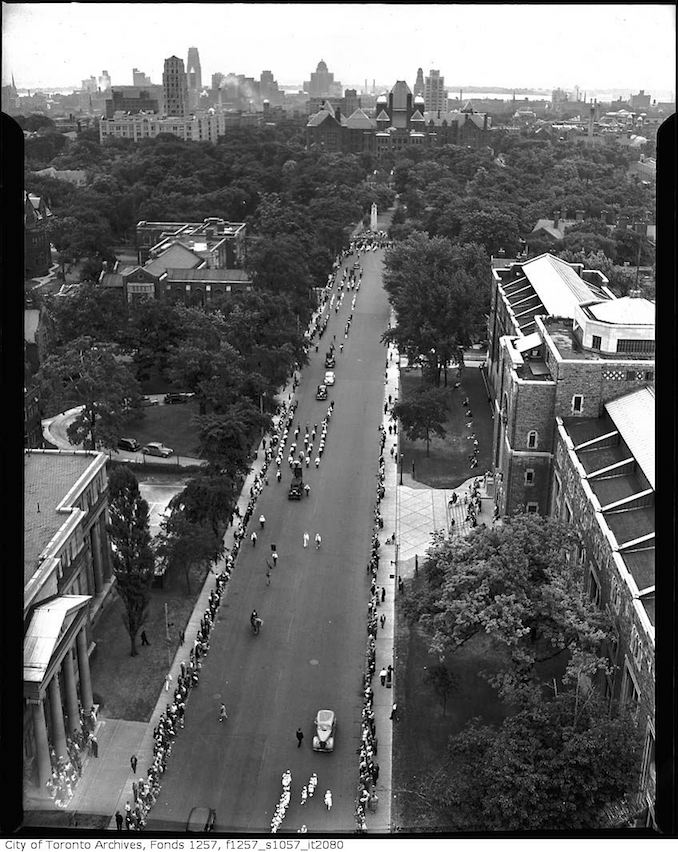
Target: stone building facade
point(67, 576)
point(604, 482)
point(37, 252)
point(560, 344)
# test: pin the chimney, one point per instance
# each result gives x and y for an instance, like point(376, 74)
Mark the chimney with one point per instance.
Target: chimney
point(337, 114)
point(556, 218)
point(579, 216)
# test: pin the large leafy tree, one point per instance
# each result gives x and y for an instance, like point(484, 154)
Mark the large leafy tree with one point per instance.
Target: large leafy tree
point(209, 499)
point(132, 554)
point(516, 585)
point(98, 311)
point(433, 289)
point(85, 373)
point(226, 437)
point(423, 414)
point(554, 765)
point(183, 544)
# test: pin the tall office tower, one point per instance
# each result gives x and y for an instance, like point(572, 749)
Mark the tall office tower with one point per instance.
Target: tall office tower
point(193, 77)
point(322, 82)
point(174, 87)
point(139, 78)
point(217, 80)
point(419, 84)
point(104, 81)
point(193, 70)
point(435, 96)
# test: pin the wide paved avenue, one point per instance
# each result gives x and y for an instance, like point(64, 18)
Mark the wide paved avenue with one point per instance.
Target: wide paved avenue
point(310, 652)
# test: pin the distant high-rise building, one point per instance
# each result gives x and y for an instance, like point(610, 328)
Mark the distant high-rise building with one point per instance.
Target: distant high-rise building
point(89, 85)
point(139, 78)
point(419, 88)
point(193, 69)
point(269, 89)
point(217, 80)
point(435, 95)
point(104, 81)
point(175, 88)
point(641, 101)
point(351, 101)
point(322, 82)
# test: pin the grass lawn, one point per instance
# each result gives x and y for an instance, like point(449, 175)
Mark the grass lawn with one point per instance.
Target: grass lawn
point(447, 465)
point(127, 687)
point(170, 424)
point(422, 733)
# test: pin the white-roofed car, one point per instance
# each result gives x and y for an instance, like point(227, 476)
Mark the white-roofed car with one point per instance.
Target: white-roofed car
point(155, 448)
point(325, 724)
point(329, 378)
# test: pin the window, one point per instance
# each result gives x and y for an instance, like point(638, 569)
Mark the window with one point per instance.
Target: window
point(595, 341)
point(532, 508)
point(637, 346)
point(635, 646)
point(631, 375)
point(532, 439)
point(594, 588)
point(529, 477)
point(577, 403)
point(649, 376)
point(630, 691)
point(615, 595)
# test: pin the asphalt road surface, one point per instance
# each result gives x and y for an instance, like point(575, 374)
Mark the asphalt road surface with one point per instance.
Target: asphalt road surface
point(310, 652)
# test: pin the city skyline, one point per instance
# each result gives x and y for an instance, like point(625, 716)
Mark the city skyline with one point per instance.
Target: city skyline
point(626, 47)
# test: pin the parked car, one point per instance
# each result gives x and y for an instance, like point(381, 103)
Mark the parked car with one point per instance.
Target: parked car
point(177, 398)
point(325, 724)
point(329, 378)
point(129, 444)
point(155, 448)
point(201, 819)
point(147, 400)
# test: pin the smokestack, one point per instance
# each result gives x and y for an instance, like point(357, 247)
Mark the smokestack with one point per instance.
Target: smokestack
point(374, 86)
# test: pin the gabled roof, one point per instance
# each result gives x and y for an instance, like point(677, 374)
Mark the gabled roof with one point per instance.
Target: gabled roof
point(468, 107)
point(177, 256)
point(557, 232)
point(416, 116)
point(48, 624)
point(225, 276)
point(634, 417)
point(383, 116)
point(359, 120)
point(557, 285)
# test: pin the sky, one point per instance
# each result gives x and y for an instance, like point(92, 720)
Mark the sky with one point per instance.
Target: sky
point(598, 47)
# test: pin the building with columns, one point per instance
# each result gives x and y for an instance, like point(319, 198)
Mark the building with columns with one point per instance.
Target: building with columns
point(67, 576)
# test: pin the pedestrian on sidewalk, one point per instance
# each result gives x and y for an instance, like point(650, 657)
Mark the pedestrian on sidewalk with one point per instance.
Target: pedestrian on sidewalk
point(144, 638)
point(274, 557)
point(262, 520)
point(253, 537)
point(168, 680)
point(383, 594)
point(382, 620)
point(118, 820)
point(382, 677)
point(94, 745)
point(306, 538)
point(182, 636)
point(394, 713)
point(133, 763)
point(300, 737)
point(268, 572)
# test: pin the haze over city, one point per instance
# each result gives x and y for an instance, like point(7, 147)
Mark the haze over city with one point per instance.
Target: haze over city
point(599, 48)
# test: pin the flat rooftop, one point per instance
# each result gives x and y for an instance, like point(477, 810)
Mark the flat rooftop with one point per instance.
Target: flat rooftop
point(48, 477)
point(560, 331)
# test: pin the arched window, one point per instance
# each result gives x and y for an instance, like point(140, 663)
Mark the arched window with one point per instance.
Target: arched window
point(532, 440)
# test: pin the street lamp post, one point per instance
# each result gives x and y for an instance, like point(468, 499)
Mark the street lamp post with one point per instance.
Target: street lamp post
point(401, 468)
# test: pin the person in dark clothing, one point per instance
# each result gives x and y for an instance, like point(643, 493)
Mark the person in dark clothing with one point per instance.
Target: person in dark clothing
point(133, 763)
point(94, 745)
point(300, 737)
point(144, 638)
point(118, 820)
